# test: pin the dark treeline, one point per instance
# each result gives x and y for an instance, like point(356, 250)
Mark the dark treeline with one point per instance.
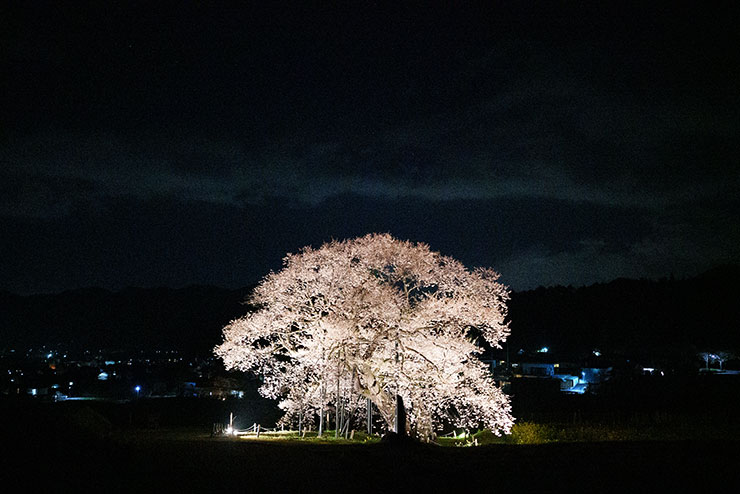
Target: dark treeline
point(634, 317)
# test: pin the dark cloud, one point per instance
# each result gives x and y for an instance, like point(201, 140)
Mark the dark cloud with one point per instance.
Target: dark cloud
point(165, 242)
point(155, 146)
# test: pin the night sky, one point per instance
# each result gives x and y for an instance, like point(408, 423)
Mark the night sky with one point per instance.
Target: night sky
point(177, 144)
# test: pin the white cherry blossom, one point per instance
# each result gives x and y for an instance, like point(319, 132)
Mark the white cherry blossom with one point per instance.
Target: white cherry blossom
point(370, 318)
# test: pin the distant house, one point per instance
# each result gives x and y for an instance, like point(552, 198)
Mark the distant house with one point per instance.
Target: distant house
point(595, 375)
point(38, 391)
point(220, 387)
point(587, 378)
point(572, 378)
point(570, 383)
point(538, 369)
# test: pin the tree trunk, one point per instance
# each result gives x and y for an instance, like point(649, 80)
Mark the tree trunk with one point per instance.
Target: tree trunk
point(384, 402)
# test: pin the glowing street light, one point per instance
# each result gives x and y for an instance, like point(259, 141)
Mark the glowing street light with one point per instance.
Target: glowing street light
point(137, 389)
point(230, 429)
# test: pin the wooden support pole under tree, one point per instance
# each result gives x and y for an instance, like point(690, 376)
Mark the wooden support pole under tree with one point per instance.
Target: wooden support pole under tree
point(321, 413)
point(336, 410)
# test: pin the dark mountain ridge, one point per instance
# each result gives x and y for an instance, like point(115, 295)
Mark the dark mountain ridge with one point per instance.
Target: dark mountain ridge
point(655, 317)
point(664, 317)
point(186, 319)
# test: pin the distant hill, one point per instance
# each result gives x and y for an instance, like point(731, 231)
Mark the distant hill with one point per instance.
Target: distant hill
point(188, 319)
point(663, 317)
point(631, 316)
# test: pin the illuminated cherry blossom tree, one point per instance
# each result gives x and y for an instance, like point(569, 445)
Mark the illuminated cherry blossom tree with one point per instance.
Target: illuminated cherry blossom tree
point(375, 317)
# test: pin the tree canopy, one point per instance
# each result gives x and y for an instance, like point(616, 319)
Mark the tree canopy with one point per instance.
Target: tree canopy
point(375, 317)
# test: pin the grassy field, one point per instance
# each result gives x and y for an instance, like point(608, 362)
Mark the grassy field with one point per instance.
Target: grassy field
point(187, 460)
point(84, 449)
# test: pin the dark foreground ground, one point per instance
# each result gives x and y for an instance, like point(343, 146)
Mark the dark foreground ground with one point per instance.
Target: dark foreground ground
point(107, 447)
point(195, 462)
